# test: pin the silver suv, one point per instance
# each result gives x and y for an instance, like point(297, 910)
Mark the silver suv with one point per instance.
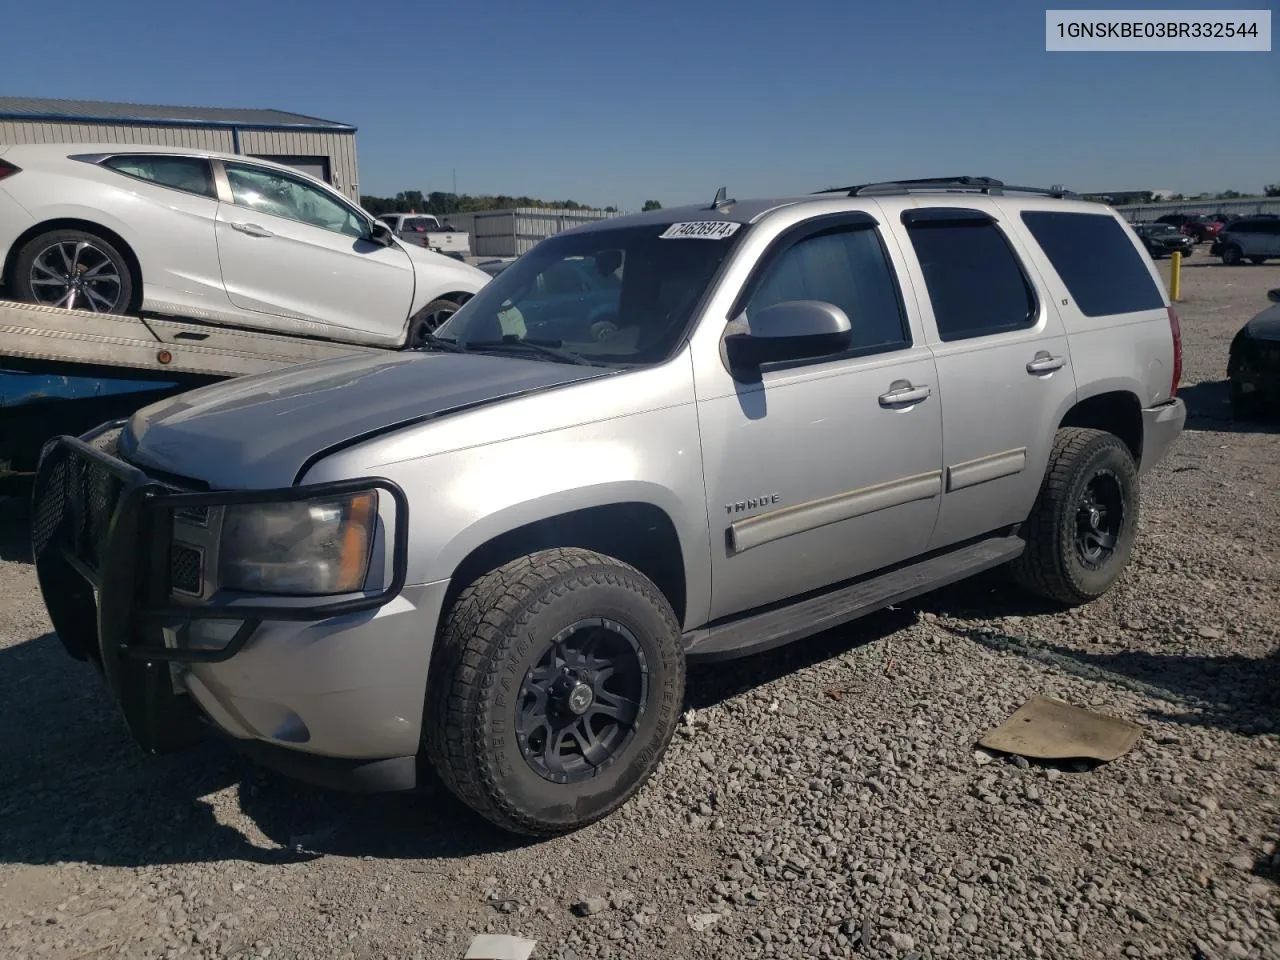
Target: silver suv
point(757, 421)
point(1256, 239)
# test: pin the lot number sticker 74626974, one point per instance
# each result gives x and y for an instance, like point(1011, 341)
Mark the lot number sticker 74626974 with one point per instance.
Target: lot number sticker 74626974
point(701, 230)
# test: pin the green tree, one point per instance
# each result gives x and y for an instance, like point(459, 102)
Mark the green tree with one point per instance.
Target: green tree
point(1229, 195)
point(651, 205)
point(1272, 189)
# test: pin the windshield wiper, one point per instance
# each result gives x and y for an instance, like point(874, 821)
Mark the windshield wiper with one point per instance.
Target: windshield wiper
point(442, 343)
point(548, 348)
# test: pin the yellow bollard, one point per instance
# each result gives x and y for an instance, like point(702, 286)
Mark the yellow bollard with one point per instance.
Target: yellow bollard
point(1175, 277)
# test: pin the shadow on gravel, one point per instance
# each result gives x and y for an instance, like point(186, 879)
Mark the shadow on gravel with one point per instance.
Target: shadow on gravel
point(1235, 693)
point(74, 787)
point(15, 538)
point(1209, 408)
point(712, 683)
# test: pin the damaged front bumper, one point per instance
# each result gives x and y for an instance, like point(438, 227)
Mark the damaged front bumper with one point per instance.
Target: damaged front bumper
point(117, 587)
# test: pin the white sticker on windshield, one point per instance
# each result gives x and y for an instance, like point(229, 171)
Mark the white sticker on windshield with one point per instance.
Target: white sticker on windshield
point(701, 230)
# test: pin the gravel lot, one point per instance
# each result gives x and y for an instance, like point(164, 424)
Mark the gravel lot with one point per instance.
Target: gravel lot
point(819, 801)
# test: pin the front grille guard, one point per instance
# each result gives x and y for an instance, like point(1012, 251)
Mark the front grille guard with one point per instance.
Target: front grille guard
point(102, 523)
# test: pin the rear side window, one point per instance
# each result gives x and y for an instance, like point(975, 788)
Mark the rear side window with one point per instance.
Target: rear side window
point(1104, 272)
point(975, 282)
point(846, 267)
point(188, 174)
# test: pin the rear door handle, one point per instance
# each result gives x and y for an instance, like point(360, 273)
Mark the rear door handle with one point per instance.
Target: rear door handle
point(252, 229)
point(902, 394)
point(1045, 363)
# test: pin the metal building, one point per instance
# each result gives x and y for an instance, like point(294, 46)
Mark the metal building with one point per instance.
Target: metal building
point(511, 233)
point(322, 148)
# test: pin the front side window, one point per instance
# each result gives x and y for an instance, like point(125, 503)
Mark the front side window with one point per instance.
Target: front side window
point(188, 174)
point(613, 295)
point(280, 195)
point(974, 281)
point(846, 267)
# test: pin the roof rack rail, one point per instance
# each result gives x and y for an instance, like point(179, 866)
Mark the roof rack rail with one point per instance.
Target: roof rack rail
point(987, 185)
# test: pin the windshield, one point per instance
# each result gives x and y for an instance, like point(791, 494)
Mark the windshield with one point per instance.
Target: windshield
point(621, 295)
point(1161, 228)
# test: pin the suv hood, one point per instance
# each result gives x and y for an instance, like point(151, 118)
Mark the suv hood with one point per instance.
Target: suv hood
point(261, 431)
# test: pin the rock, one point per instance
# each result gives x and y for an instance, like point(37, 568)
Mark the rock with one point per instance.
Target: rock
point(969, 923)
point(590, 906)
point(982, 758)
point(701, 922)
point(1242, 862)
point(1210, 633)
point(900, 941)
point(1052, 773)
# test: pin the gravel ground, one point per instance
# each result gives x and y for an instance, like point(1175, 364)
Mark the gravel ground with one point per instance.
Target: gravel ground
point(819, 801)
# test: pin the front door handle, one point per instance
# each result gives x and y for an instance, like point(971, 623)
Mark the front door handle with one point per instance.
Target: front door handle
point(902, 393)
point(1044, 362)
point(252, 229)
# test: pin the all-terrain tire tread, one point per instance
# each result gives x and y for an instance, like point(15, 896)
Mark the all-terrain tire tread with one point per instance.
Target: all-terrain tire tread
point(1041, 568)
point(486, 617)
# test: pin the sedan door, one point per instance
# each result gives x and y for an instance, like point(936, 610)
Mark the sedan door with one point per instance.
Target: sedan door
point(822, 469)
point(293, 249)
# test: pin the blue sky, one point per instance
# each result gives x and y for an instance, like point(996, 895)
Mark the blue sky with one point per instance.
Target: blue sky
point(615, 103)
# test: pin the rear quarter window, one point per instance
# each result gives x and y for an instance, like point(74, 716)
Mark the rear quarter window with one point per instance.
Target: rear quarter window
point(1102, 269)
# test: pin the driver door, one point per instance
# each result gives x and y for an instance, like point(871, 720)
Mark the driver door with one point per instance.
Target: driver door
point(290, 248)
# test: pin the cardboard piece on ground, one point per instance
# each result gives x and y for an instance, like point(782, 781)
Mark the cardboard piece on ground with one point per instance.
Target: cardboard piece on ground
point(1048, 729)
point(499, 946)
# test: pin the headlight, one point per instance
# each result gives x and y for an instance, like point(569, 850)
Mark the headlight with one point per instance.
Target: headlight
point(299, 548)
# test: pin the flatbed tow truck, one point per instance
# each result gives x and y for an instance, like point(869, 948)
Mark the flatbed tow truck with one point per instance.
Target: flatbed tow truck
point(171, 351)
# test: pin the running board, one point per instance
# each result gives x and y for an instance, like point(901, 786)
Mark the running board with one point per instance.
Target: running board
point(803, 618)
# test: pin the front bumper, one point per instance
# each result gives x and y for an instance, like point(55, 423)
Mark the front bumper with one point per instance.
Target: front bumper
point(339, 678)
point(1161, 426)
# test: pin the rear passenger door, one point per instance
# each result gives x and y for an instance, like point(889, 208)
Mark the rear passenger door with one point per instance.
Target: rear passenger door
point(1005, 376)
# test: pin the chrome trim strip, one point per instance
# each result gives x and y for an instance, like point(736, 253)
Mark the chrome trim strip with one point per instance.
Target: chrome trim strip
point(973, 472)
point(802, 517)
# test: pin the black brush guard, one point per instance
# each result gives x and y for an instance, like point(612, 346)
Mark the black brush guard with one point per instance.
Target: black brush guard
point(101, 536)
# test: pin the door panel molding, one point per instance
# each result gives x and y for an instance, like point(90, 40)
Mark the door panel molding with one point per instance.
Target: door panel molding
point(970, 473)
point(803, 517)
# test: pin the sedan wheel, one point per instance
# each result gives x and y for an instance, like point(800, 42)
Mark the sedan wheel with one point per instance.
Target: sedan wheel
point(75, 270)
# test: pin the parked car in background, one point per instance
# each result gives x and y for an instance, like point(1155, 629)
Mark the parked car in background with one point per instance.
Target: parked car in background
point(1199, 228)
point(1163, 239)
point(495, 266)
point(1256, 239)
point(426, 230)
point(1253, 364)
point(215, 237)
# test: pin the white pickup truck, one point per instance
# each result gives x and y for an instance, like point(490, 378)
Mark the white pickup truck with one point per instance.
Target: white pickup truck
point(425, 229)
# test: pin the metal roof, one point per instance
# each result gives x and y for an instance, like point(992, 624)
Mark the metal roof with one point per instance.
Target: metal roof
point(36, 109)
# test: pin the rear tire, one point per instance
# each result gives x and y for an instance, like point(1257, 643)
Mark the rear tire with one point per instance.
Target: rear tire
point(555, 689)
point(1083, 524)
point(1232, 256)
point(74, 269)
point(1257, 261)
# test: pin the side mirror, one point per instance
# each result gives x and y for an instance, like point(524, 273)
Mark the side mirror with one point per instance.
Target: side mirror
point(1274, 295)
point(791, 330)
point(381, 234)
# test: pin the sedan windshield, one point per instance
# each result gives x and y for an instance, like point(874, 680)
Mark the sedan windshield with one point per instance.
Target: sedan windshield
point(621, 295)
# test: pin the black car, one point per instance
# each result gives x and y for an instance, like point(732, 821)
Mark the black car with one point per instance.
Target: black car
point(1163, 239)
point(1253, 365)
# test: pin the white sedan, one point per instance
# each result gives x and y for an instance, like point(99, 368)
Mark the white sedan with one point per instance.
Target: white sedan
point(215, 237)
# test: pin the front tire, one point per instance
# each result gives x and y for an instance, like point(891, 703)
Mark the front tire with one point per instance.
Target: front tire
point(1231, 256)
point(74, 269)
point(1083, 524)
point(555, 689)
point(1257, 261)
point(428, 319)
